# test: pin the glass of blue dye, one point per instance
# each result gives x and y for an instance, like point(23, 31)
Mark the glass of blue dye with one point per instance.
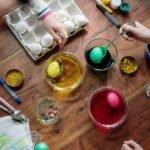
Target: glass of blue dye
point(108, 58)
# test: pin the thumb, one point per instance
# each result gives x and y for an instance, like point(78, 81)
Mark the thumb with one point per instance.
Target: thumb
point(126, 147)
point(56, 37)
point(129, 28)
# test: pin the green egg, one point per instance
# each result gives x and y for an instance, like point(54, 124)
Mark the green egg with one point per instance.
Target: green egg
point(96, 55)
point(41, 146)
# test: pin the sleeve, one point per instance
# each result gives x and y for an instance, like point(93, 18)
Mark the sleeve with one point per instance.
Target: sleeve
point(40, 7)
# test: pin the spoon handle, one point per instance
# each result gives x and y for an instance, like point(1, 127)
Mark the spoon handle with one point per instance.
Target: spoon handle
point(7, 104)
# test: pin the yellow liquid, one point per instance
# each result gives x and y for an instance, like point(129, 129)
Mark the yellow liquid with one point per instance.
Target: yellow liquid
point(72, 73)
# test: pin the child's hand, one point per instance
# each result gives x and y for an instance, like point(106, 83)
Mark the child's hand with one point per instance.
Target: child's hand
point(131, 145)
point(56, 28)
point(139, 32)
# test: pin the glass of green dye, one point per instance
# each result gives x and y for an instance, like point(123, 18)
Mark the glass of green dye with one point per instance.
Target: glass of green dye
point(101, 54)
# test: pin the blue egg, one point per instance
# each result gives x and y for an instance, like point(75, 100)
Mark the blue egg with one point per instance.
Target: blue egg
point(96, 55)
point(41, 146)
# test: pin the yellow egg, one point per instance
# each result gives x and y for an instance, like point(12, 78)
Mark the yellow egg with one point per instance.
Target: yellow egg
point(53, 69)
point(106, 2)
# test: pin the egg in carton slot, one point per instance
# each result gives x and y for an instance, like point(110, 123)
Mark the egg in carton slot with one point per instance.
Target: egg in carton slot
point(25, 25)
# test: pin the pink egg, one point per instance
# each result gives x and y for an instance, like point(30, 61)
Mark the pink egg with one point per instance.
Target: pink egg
point(113, 100)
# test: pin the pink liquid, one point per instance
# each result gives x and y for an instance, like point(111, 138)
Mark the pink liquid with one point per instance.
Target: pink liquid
point(101, 111)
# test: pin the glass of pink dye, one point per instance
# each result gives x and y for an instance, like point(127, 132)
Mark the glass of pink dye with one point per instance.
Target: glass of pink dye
point(106, 118)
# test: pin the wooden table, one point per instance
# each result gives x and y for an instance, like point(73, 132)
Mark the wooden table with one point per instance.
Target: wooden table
point(75, 131)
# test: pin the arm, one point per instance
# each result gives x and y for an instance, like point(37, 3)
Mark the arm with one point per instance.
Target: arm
point(139, 32)
point(131, 145)
point(49, 20)
point(7, 6)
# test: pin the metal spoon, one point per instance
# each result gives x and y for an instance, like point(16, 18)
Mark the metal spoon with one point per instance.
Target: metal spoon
point(15, 114)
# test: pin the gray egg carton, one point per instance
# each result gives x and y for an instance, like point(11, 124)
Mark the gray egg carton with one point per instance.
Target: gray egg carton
point(25, 25)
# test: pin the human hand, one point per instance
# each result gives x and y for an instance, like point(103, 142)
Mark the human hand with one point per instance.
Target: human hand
point(131, 145)
point(139, 32)
point(56, 29)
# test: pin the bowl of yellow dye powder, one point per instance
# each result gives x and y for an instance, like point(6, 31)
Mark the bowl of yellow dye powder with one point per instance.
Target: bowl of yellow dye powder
point(128, 65)
point(64, 71)
point(14, 78)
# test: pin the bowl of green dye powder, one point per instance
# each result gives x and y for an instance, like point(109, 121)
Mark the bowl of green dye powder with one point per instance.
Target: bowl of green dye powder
point(101, 54)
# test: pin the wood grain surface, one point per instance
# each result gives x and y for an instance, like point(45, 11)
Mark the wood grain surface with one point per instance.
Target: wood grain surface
point(75, 130)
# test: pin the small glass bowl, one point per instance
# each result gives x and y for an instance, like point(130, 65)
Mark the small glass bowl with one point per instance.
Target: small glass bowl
point(14, 78)
point(111, 56)
point(72, 72)
point(128, 65)
point(47, 111)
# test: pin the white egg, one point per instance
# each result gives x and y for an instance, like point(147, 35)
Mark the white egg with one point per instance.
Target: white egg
point(80, 20)
point(69, 26)
point(21, 27)
point(35, 48)
point(62, 15)
point(47, 40)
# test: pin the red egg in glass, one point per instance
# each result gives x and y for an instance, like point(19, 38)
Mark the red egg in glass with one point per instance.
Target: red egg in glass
point(113, 100)
point(108, 109)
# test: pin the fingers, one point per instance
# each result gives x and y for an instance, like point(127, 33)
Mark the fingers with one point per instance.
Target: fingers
point(133, 144)
point(128, 32)
point(125, 35)
point(138, 25)
point(128, 28)
point(59, 37)
point(126, 147)
point(56, 28)
point(63, 35)
point(56, 37)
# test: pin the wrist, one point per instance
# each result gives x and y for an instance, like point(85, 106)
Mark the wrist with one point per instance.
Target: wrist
point(44, 13)
point(145, 36)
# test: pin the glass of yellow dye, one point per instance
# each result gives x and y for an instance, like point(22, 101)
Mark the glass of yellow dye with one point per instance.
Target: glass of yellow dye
point(64, 72)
